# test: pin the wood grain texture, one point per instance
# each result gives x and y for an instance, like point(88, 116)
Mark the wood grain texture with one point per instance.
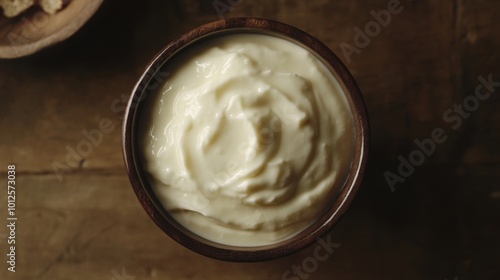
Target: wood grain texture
point(441, 223)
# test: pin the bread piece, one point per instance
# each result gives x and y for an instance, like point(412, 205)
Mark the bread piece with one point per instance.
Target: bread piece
point(12, 8)
point(51, 6)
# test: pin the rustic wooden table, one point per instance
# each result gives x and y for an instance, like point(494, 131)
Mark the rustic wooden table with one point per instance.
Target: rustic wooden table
point(427, 72)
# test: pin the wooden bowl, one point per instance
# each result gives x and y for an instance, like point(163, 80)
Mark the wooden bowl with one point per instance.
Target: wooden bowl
point(138, 176)
point(34, 30)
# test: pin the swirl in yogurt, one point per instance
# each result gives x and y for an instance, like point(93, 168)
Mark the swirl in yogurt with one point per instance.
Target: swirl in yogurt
point(248, 141)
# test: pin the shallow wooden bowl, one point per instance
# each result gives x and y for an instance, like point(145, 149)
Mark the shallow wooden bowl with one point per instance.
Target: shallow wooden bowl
point(34, 29)
point(145, 192)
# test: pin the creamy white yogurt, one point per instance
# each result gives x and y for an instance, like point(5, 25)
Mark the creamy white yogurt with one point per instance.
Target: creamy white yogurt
point(248, 141)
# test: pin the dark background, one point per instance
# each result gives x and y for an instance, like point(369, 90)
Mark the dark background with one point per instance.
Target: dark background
point(442, 222)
